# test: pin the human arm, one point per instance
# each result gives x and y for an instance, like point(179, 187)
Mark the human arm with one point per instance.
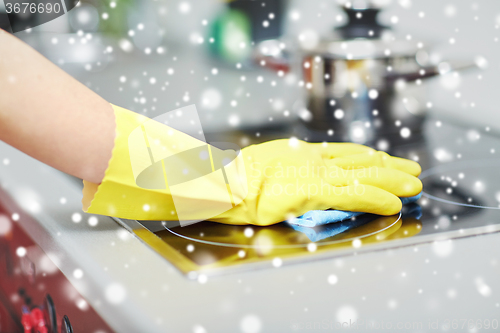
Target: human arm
point(50, 116)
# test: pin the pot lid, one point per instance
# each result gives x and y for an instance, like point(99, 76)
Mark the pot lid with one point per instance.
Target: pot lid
point(362, 37)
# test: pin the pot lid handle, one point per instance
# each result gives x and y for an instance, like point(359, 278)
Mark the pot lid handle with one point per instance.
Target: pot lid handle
point(362, 23)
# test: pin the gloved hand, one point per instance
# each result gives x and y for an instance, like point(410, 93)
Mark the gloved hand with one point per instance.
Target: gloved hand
point(289, 177)
point(158, 173)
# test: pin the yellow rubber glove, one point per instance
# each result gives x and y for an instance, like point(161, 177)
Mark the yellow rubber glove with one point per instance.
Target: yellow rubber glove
point(159, 173)
point(153, 176)
point(290, 177)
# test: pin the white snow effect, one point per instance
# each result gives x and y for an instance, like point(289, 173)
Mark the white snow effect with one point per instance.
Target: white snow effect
point(450, 80)
point(93, 221)
point(21, 251)
point(308, 39)
point(78, 273)
point(248, 232)
point(473, 135)
point(442, 248)
point(373, 93)
point(202, 279)
point(338, 114)
point(481, 62)
point(251, 324)
point(234, 120)
point(293, 142)
point(382, 144)
point(211, 99)
point(333, 279)
point(184, 7)
point(199, 329)
point(450, 10)
point(82, 304)
point(482, 287)
point(405, 3)
point(392, 304)
point(29, 200)
point(5, 225)
point(277, 262)
point(46, 264)
point(306, 115)
point(451, 293)
point(115, 293)
point(295, 15)
point(444, 222)
point(405, 132)
point(479, 186)
point(356, 243)
point(312, 247)
point(76, 217)
point(443, 155)
point(346, 313)
point(124, 235)
point(126, 45)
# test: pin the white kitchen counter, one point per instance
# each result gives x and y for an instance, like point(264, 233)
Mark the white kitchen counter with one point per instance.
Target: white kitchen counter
point(409, 284)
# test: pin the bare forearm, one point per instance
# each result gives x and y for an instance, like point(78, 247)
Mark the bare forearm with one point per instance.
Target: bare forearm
point(50, 116)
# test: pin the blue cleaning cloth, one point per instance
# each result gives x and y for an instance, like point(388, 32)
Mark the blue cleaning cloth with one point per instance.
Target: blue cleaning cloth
point(321, 232)
point(316, 234)
point(316, 218)
point(412, 210)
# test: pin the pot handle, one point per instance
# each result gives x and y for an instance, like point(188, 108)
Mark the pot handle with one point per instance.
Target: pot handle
point(270, 54)
point(426, 72)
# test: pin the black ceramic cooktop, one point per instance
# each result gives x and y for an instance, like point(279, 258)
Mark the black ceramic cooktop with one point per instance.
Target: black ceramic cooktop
point(461, 198)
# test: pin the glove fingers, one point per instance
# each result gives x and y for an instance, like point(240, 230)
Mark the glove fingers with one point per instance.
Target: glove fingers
point(339, 149)
point(363, 198)
point(379, 159)
point(394, 181)
point(405, 165)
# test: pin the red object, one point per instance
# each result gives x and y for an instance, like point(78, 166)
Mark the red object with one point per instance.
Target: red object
point(33, 321)
point(27, 322)
point(274, 64)
point(39, 321)
point(25, 285)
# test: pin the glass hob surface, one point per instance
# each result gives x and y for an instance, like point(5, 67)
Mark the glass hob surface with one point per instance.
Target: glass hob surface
point(461, 198)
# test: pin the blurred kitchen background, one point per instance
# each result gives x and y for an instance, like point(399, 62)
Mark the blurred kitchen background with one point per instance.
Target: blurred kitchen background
point(258, 70)
point(240, 61)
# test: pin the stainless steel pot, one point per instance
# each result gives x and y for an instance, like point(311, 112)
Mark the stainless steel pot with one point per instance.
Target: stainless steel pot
point(363, 83)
